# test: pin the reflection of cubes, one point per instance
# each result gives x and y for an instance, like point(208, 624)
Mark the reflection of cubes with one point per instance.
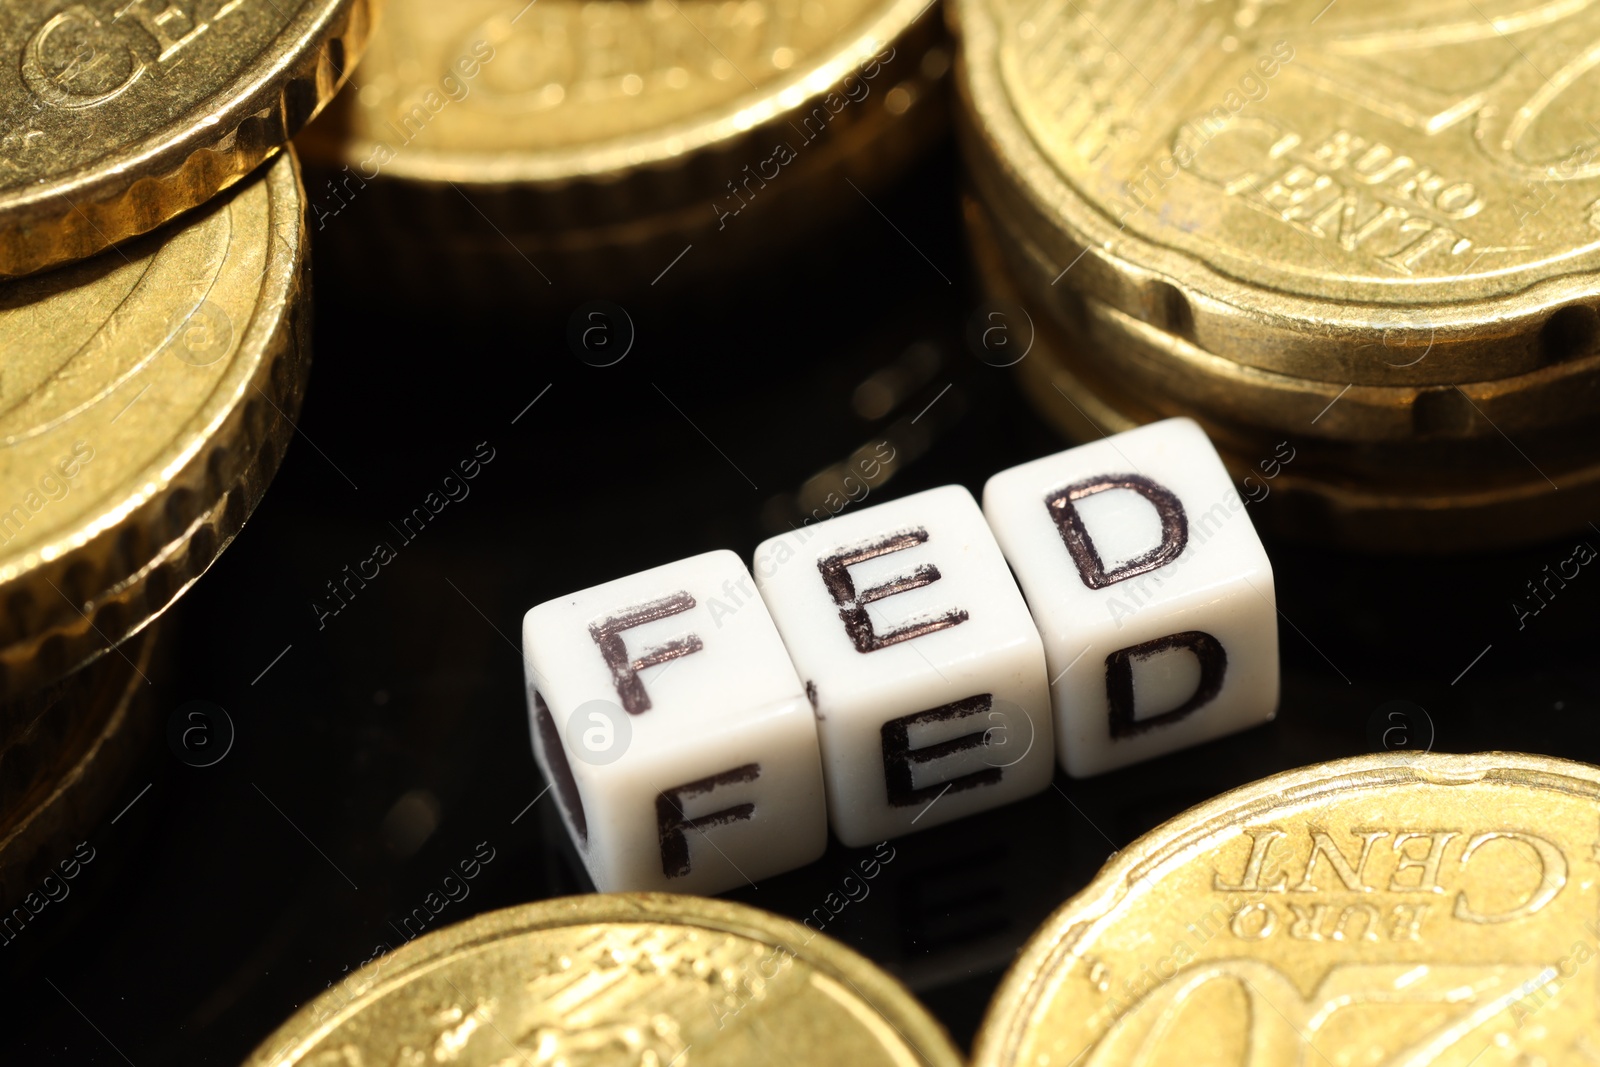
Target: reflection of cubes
point(676, 737)
point(1150, 588)
point(920, 658)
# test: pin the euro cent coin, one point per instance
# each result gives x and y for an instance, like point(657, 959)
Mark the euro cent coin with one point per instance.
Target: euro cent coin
point(617, 980)
point(1362, 192)
point(145, 402)
point(117, 116)
point(582, 144)
point(1443, 492)
point(1391, 909)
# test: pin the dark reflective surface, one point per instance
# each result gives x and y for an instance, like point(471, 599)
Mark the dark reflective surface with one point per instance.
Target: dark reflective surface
point(379, 746)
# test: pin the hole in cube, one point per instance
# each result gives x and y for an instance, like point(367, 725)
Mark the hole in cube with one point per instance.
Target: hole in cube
point(556, 757)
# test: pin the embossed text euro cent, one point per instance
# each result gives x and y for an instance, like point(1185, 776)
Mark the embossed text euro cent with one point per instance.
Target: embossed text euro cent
point(1395, 909)
point(1363, 192)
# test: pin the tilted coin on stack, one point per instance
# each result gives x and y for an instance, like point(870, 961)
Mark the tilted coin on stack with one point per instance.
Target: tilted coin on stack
point(1366, 232)
point(1395, 909)
point(636, 978)
point(500, 146)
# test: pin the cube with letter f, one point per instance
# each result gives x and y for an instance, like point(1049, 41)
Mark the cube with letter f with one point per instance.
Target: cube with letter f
point(672, 729)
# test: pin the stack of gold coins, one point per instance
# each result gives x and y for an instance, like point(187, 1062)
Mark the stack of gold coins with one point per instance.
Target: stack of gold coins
point(1394, 909)
point(494, 148)
point(629, 978)
point(154, 322)
point(1357, 241)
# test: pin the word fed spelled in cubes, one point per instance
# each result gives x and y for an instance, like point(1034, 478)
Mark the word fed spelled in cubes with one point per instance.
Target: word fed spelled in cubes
point(670, 721)
point(922, 663)
point(1150, 588)
point(701, 727)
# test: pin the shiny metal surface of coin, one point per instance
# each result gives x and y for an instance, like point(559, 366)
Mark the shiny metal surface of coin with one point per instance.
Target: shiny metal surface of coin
point(617, 979)
point(1394, 909)
point(582, 145)
point(147, 400)
point(1289, 184)
point(1442, 494)
point(116, 117)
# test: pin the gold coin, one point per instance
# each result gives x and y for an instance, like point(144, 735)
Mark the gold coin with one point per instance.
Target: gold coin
point(146, 403)
point(617, 979)
point(1390, 909)
point(1150, 360)
point(563, 140)
point(1322, 505)
point(1350, 495)
point(117, 116)
point(66, 769)
point(1286, 183)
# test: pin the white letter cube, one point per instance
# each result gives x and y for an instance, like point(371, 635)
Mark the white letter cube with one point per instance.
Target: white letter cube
point(673, 730)
point(1150, 588)
point(920, 658)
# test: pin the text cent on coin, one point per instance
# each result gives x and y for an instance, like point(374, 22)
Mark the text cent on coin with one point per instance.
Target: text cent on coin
point(115, 117)
point(1393, 909)
point(622, 979)
point(1287, 182)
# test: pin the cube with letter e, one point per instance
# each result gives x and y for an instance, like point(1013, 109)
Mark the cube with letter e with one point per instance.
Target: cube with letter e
point(1151, 590)
point(920, 659)
point(673, 731)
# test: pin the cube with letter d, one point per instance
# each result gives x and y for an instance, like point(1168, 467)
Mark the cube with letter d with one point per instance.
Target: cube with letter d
point(672, 730)
point(1151, 589)
point(920, 659)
